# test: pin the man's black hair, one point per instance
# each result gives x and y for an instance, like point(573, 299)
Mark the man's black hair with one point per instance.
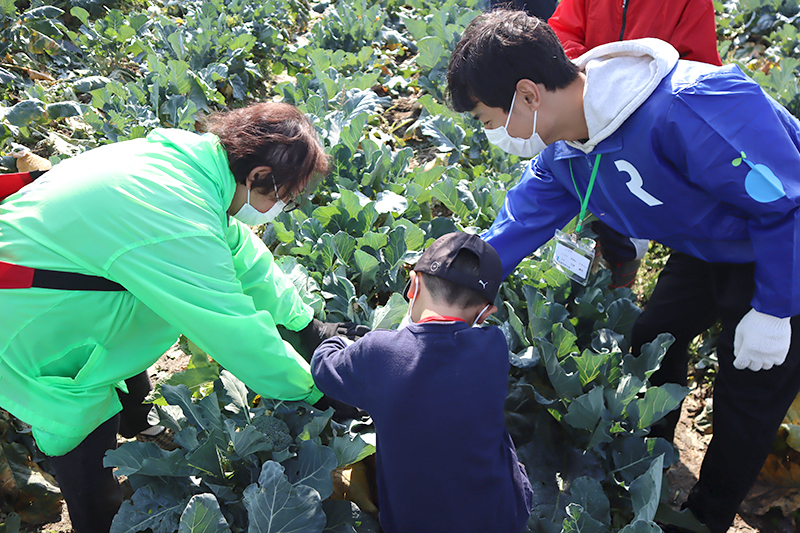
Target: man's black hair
point(452, 293)
point(498, 49)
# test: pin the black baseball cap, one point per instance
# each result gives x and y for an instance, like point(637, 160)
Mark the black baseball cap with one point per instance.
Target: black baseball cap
point(436, 261)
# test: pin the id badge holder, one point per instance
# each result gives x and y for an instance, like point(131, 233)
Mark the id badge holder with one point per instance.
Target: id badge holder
point(573, 256)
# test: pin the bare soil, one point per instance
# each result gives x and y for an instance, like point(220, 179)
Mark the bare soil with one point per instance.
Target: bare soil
point(691, 440)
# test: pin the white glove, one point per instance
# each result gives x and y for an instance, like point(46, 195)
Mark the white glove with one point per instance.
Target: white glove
point(761, 341)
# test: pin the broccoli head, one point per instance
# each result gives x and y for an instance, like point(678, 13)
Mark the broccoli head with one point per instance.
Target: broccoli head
point(276, 431)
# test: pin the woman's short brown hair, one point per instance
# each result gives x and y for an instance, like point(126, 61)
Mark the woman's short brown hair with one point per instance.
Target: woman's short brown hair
point(271, 134)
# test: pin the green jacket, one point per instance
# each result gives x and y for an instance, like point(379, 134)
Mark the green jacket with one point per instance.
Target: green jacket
point(149, 214)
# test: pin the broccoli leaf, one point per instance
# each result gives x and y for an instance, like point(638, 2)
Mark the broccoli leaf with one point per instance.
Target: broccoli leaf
point(148, 510)
point(313, 466)
point(203, 515)
point(276, 506)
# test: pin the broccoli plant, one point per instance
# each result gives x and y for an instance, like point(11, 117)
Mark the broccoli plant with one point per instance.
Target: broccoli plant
point(243, 462)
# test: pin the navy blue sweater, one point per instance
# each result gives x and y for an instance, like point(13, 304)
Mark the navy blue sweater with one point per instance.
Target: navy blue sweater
point(435, 392)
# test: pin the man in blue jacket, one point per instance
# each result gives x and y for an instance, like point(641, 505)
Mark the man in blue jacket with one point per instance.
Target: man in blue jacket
point(694, 156)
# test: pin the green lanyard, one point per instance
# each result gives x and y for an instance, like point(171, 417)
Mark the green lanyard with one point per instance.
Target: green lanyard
point(585, 200)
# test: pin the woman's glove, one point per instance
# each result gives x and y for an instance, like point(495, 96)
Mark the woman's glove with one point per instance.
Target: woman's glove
point(317, 331)
point(761, 341)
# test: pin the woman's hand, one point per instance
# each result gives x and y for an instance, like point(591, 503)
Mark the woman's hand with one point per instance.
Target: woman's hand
point(317, 331)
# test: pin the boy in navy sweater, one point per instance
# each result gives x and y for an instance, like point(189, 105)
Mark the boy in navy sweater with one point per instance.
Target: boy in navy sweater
point(435, 390)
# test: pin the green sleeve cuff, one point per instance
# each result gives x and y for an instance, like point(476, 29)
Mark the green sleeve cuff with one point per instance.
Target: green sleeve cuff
point(315, 396)
point(302, 320)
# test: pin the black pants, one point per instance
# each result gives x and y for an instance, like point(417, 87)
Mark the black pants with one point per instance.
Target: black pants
point(690, 296)
point(91, 491)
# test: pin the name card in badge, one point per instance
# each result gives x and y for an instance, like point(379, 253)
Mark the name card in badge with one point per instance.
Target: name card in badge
point(573, 256)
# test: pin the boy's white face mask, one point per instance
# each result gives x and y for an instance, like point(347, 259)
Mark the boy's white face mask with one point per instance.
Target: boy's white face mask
point(500, 137)
point(475, 322)
point(407, 319)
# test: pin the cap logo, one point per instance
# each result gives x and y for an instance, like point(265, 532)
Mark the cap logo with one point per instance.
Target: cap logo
point(435, 266)
point(483, 283)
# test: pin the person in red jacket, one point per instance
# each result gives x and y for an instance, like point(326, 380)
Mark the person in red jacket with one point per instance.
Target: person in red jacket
point(688, 25)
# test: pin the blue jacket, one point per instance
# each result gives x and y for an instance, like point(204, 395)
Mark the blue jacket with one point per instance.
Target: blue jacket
point(708, 165)
point(436, 393)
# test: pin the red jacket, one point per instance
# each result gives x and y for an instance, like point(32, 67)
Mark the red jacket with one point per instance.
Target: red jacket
point(688, 25)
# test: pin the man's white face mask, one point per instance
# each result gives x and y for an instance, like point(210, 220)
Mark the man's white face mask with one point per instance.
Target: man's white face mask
point(529, 147)
point(252, 217)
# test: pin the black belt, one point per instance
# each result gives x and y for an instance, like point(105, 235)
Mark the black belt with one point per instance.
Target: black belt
point(20, 277)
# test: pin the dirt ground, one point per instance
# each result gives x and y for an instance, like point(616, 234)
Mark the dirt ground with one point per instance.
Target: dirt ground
point(691, 441)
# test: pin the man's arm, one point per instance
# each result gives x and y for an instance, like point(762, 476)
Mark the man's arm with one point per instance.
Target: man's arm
point(532, 211)
point(735, 142)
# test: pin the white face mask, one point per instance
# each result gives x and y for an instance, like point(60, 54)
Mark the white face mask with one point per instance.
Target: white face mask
point(407, 319)
point(514, 145)
point(475, 322)
point(253, 217)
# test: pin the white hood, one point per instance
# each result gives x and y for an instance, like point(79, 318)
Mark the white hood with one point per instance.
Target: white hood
point(620, 76)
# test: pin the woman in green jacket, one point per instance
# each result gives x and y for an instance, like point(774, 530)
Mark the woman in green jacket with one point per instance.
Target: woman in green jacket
point(157, 218)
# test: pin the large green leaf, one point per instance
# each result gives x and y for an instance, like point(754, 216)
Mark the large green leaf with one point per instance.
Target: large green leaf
point(641, 526)
point(657, 402)
point(649, 359)
point(147, 509)
point(345, 246)
point(589, 365)
point(366, 267)
point(646, 491)
point(390, 202)
point(564, 341)
point(617, 400)
point(25, 112)
point(203, 515)
point(385, 316)
point(585, 411)
point(276, 506)
point(566, 384)
point(431, 51)
point(579, 521)
point(181, 395)
point(145, 458)
point(445, 134)
point(516, 323)
point(632, 456)
point(588, 493)
point(342, 516)
point(447, 193)
point(63, 110)
point(313, 466)
point(237, 392)
point(247, 440)
point(527, 358)
point(350, 449)
point(23, 484)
